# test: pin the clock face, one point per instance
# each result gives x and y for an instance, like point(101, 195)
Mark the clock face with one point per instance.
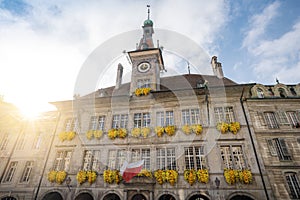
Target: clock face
point(143, 67)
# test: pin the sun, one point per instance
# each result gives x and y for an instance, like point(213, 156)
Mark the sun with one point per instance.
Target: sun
point(32, 110)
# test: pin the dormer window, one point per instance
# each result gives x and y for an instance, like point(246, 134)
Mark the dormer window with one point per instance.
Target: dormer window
point(260, 93)
point(293, 91)
point(282, 92)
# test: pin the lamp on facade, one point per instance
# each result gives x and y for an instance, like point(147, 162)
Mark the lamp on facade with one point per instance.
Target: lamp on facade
point(68, 181)
point(217, 182)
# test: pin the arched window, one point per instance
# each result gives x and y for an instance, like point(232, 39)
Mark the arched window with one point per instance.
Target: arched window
point(282, 92)
point(138, 197)
point(241, 197)
point(260, 93)
point(293, 91)
point(166, 197)
point(293, 184)
point(111, 197)
point(198, 197)
point(84, 196)
point(8, 198)
point(53, 195)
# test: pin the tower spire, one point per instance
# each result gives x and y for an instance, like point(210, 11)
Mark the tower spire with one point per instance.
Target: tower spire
point(148, 6)
point(146, 41)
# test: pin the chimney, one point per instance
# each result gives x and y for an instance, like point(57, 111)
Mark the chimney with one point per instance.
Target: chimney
point(217, 67)
point(119, 76)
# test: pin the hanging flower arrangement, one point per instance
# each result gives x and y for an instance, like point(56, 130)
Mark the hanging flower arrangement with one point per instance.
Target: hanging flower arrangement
point(170, 130)
point(160, 176)
point(67, 135)
point(114, 133)
point(81, 177)
point(171, 176)
point(190, 175)
point(89, 134)
point(52, 176)
point(223, 127)
point(245, 176)
point(202, 175)
point(234, 127)
point(136, 132)
point(197, 129)
point(231, 176)
point(159, 130)
point(91, 176)
point(142, 91)
point(145, 131)
point(112, 176)
point(186, 129)
point(145, 173)
point(57, 176)
point(61, 176)
point(98, 134)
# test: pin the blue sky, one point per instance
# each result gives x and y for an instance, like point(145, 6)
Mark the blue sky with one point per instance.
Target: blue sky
point(44, 44)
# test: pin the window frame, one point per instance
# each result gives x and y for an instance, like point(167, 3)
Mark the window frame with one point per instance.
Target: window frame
point(224, 114)
point(27, 172)
point(166, 158)
point(230, 161)
point(279, 148)
point(91, 163)
point(62, 160)
point(138, 154)
point(119, 121)
point(293, 184)
point(191, 157)
point(10, 172)
point(165, 118)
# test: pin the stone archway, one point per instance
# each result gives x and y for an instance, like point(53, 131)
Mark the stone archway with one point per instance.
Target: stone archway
point(84, 196)
point(138, 197)
point(53, 195)
point(198, 197)
point(167, 197)
point(8, 198)
point(241, 197)
point(111, 196)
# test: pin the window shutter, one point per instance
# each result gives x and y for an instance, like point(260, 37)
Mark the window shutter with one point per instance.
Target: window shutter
point(284, 147)
point(272, 147)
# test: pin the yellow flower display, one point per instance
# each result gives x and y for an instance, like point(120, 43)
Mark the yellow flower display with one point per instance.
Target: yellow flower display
point(52, 176)
point(122, 133)
point(91, 176)
point(142, 91)
point(159, 131)
point(81, 176)
point(145, 173)
point(66, 135)
point(245, 176)
point(170, 130)
point(202, 175)
point(112, 133)
point(197, 129)
point(223, 127)
point(136, 132)
point(111, 176)
point(190, 176)
point(89, 134)
point(231, 176)
point(171, 176)
point(145, 131)
point(160, 176)
point(186, 129)
point(234, 127)
point(98, 134)
point(60, 177)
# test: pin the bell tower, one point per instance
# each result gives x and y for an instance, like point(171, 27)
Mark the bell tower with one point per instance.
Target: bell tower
point(147, 61)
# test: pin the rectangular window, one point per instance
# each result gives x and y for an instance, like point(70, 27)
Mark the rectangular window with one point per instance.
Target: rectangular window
point(37, 141)
point(4, 141)
point(120, 121)
point(270, 119)
point(141, 120)
point(293, 119)
point(293, 183)
point(194, 158)
point(91, 160)
point(166, 158)
point(277, 146)
point(224, 114)
point(10, 172)
point(190, 116)
point(116, 158)
point(141, 154)
point(26, 172)
point(143, 83)
point(233, 157)
point(71, 124)
point(21, 142)
point(62, 161)
point(97, 123)
point(164, 118)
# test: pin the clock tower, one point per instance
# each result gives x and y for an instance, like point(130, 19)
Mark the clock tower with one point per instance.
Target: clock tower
point(147, 61)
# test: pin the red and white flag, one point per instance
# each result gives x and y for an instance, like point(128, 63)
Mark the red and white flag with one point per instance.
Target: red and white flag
point(128, 171)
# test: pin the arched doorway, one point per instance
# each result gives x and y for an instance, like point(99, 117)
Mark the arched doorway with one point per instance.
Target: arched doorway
point(198, 197)
point(84, 196)
point(166, 197)
point(111, 197)
point(52, 196)
point(138, 197)
point(241, 197)
point(8, 198)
